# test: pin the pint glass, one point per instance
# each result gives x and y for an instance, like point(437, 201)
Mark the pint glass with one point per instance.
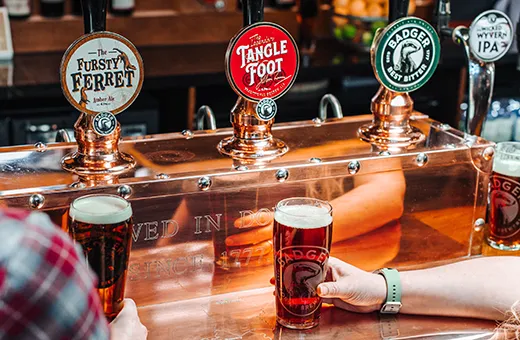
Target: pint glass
point(302, 236)
point(102, 224)
point(504, 198)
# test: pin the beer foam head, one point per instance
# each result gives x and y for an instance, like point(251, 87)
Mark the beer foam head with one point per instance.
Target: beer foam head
point(507, 159)
point(100, 209)
point(303, 216)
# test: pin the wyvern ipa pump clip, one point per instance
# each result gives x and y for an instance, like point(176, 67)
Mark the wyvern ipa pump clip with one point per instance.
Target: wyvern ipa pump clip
point(101, 75)
point(404, 56)
point(262, 63)
point(487, 40)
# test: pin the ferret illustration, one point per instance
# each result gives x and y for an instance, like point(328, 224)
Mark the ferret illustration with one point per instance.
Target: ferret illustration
point(405, 63)
point(84, 99)
point(122, 55)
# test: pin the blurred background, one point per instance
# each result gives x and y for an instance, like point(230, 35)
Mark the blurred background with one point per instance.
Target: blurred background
point(183, 44)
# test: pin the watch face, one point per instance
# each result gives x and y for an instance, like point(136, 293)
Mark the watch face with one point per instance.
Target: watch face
point(406, 54)
point(490, 35)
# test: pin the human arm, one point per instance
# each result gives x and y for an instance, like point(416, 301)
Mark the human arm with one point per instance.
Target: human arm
point(481, 288)
point(45, 279)
point(375, 200)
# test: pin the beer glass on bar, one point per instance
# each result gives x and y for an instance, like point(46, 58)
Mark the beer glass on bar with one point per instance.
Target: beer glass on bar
point(102, 224)
point(504, 200)
point(302, 237)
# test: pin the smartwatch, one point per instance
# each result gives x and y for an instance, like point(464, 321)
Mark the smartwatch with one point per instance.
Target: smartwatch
point(392, 304)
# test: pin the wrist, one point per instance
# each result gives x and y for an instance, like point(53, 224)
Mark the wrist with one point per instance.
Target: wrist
point(380, 290)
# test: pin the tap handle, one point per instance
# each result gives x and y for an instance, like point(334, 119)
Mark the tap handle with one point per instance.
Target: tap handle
point(253, 11)
point(397, 9)
point(94, 15)
point(441, 17)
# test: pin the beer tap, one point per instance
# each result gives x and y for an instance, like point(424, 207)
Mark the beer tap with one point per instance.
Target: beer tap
point(335, 105)
point(252, 11)
point(482, 48)
point(261, 65)
point(404, 56)
point(397, 9)
point(205, 114)
point(441, 18)
point(94, 15)
point(99, 93)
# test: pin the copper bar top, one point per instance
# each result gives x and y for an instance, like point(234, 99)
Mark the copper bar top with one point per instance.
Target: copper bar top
point(251, 315)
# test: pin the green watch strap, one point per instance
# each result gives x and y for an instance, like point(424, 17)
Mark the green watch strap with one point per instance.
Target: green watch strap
point(392, 304)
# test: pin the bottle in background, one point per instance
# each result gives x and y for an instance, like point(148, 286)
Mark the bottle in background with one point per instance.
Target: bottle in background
point(122, 7)
point(52, 8)
point(18, 9)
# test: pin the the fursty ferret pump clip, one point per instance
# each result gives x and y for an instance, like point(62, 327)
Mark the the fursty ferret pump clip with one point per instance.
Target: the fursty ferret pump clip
point(101, 75)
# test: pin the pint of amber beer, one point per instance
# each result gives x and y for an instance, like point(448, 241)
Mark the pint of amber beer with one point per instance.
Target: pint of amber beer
point(504, 199)
point(302, 236)
point(102, 224)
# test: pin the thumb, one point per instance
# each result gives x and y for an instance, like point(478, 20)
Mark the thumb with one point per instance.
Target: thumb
point(129, 309)
point(333, 290)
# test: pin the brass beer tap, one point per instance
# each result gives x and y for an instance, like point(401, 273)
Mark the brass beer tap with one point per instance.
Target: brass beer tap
point(482, 49)
point(101, 75)
point(404, 56)
point(253, 115)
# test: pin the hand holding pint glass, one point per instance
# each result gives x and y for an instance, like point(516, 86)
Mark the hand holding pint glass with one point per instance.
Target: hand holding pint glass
point(302, 237)
point(102, 224)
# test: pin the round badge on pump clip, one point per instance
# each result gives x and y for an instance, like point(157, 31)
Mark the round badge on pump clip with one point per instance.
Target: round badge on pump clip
point(262, 61)
point(101, 72)
point(104, 123)
point(266, 109)
point(490, 35)
point(405, 54)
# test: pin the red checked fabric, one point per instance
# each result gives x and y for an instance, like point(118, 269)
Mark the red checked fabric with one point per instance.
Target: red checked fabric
point(46, 288)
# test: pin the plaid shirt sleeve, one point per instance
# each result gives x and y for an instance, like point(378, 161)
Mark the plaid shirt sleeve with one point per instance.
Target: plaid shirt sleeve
point(46, 289)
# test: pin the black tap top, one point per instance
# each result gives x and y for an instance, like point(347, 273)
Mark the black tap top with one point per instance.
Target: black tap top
point(253, 11)
point(397, 9)
point(94, 15)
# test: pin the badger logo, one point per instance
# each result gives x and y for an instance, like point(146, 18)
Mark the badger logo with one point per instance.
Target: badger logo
point(406, 54)
point(505, 207)
point(300, 269)
point(266, 109)
point(104, 123)
point(405, 63)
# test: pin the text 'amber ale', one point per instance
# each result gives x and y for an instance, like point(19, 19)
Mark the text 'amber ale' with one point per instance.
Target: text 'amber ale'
point(302, 236)
point(504, 200)
point(102, 224)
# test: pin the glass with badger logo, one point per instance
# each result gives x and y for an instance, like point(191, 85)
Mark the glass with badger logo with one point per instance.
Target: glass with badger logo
point(504, 198)
point(302, 237)
point(102, 225)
